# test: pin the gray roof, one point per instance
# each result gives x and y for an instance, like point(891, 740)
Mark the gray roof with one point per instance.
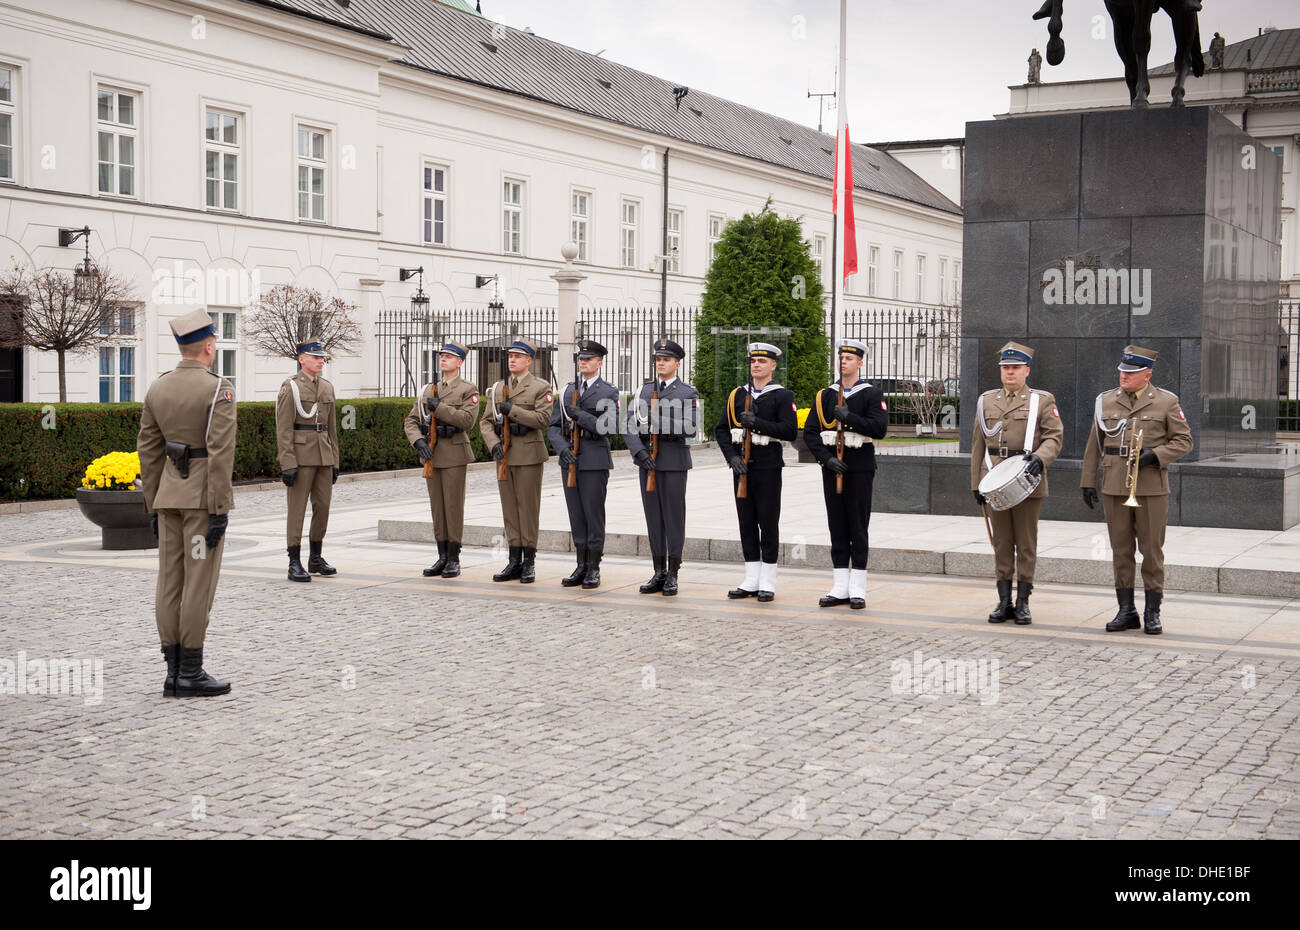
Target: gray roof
point(1277, 49)
point(462, 46)
point(325, 11)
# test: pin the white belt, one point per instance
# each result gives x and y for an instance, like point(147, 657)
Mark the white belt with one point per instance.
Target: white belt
point(755, 439)
point(851, 440)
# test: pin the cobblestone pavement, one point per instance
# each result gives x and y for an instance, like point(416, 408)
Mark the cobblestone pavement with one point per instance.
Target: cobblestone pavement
point(382, 704)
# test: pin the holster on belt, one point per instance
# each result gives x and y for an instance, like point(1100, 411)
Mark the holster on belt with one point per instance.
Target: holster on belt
point(179, 453)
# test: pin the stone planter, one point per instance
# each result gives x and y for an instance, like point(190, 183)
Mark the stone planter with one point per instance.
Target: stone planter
point(123, 521)
point(805, 457)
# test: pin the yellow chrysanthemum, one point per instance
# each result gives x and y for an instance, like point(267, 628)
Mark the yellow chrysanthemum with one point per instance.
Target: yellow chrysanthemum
point(112, 471)
point(802, 415)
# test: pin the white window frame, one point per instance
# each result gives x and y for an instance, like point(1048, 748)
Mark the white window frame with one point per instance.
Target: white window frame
point(873, 270)
point(120, 342)
point(430, 197)
point(628, 231)
point(512, 214)
point(943, 279)
point(9, 108)
point(956, 281)
point(311, 163)
point(898, 274)
point(237, 149)
point(580, 221)
point(117, 131)
point(223, 362)
point(715, 235)
point(819, 256)
point(920, 279)
point(676, 249)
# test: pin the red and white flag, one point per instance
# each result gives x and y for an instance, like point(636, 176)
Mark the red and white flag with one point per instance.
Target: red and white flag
point(844, 163)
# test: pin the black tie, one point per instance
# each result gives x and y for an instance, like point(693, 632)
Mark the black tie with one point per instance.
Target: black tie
point(663, 386)
point(582, 389)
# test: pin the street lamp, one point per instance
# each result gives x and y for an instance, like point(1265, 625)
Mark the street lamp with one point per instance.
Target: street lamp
point(495, 303)
point(85, 277)
point(419, 300)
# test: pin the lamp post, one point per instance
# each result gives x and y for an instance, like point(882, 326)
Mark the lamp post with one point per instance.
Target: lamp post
point(85, 276)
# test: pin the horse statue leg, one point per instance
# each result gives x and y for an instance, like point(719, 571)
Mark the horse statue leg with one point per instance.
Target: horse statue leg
point(1051, 11)
point(1121, 26)
point(1143, 11)
point(1187, 36)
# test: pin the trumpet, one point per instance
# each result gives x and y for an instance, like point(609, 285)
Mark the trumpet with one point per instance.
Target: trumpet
point(1131, 471)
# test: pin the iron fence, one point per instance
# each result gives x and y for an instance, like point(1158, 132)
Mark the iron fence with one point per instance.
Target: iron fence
point(1288, 370)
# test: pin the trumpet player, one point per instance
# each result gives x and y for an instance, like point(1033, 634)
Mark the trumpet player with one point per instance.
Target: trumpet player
point(1135, 480)
point(1015, 421)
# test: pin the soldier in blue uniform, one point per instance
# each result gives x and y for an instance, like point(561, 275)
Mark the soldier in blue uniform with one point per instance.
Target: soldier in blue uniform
point(839, 435)
point(667, 409)
point(588, 405)
point(770, 417)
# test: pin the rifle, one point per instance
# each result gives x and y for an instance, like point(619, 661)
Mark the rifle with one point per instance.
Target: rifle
point(742, 490)
point(503, 467)
point(573, 468)
point(839, 440)
point(433, 436)
point(654, 437)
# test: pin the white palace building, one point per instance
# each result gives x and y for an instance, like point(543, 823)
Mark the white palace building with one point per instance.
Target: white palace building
point(216, 148)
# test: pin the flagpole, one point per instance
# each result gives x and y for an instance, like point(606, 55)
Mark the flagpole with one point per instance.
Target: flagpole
point(841, 159)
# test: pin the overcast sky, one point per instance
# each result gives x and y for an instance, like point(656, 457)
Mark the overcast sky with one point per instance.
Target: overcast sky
point(918, 69)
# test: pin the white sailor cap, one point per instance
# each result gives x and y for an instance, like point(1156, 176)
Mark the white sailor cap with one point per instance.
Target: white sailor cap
point(764, 350)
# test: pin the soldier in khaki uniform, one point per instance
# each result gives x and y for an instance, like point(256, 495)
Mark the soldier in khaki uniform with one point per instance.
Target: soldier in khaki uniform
point(1001, 430)
point(438, 427)
point(307, 433)
point(1118, 416)
point(521, 417)
point(187, 454)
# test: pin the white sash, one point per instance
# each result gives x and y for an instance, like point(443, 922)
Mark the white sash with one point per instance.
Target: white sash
point(1030, 427)
point(1120, 428)
point(212, 408)
point(297, 402)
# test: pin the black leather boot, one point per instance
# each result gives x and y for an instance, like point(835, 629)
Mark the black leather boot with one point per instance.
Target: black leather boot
point(1151, 613)
point(1127, 618)
point(452, 568)
point(1023, 590)
point(656, 582)
point(316, 564)
point(579, 573)
point(514, 568)
point(172, 654)
point(1002, 613)
point(527, 573)
point(192, 680)
point(670, 579)
point(593, 570)
point(437, 567)
point(296, 571)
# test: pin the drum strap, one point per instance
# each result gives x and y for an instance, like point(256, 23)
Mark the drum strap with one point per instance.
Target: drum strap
point(1033, 421)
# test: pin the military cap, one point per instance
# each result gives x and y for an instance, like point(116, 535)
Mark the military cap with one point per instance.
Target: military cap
point(451, 347)
point(312, 348)
point(854, 347)
point(1136, 358)
point(523, 347)
point(192, 327)
point(668, 348)
point(590, 348)
point(1013, 353)
point(764, 350)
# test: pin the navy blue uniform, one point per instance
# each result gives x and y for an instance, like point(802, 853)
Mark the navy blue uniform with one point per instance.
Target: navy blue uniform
point(759, 513)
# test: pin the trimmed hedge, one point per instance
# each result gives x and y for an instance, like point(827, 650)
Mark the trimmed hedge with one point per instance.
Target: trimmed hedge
point(41, 463)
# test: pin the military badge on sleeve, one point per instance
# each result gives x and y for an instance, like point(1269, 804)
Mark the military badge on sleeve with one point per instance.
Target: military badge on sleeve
point(1056, 413)
point(474, 400)
point(1181, 416)
point(549, 397)
point(229, 396)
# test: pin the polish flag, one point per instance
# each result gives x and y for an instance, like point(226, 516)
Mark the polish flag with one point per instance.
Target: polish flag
point(844, 163)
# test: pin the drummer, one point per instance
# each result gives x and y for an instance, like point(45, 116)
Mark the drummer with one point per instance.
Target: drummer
point(1015, 422)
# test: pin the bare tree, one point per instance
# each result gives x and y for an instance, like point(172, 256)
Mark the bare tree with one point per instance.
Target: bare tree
point(286, 316)
point(51, 311)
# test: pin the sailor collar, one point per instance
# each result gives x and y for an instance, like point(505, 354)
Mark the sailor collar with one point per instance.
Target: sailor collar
point(771, 386)
point(850, 391)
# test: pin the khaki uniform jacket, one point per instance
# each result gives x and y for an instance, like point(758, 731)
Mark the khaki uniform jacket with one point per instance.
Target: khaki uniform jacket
point(457, 409)
point(531, 408)
point(1014, 414)
point(301, 446)
point(176, 409)
point(1159, 415)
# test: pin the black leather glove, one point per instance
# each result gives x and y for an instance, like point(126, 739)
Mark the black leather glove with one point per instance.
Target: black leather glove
point(431, 403)
point(1035, 464)
point(498, 452)
point(289, 476)
point(216, 529)
point(1090, 497)
point(422, 449)
point(738, 465)
point(335, 477)
point(153, 525)
point(567, 457)
point(1148, 458)
point(747, 419)
point(836, 466)
point(643, 460)
point(980, 498)
point(505, 407)
point(842, 413)
point(571, 410)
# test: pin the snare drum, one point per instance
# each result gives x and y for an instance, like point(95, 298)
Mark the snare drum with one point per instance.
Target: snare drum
point(1007, 484)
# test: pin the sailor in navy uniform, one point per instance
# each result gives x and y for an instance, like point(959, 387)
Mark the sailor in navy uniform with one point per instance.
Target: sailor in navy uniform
point(590, 403)
point(862, 417)
point(769, 419)
point(675, 419)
